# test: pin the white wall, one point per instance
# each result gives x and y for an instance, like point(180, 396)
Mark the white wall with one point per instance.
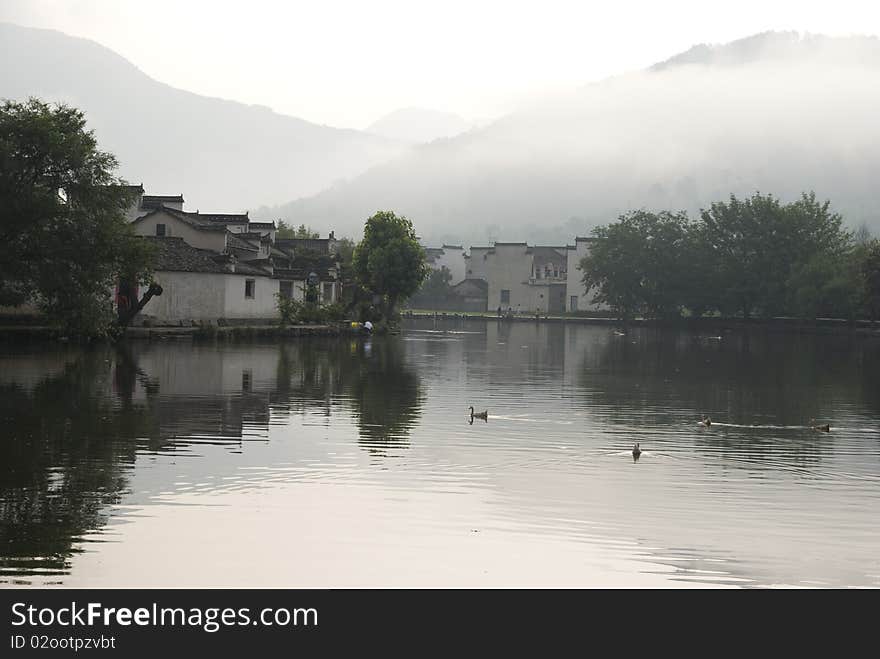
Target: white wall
point(574, 283)
point(187, 296)
point(509, 267)
point(209, 296)
point(264, 304)
point(213, 240)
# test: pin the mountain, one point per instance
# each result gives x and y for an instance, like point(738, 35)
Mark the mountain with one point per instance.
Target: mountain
point(222, 155)
point(418, 125)
point(777, 112)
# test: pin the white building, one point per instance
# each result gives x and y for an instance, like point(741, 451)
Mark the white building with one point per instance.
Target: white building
point(451, 257)
point(578, 298)
point(202, 285)
point(523, 279)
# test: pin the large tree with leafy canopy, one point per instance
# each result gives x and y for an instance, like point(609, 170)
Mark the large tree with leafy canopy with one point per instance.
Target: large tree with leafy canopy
point(764, 254)
point(638, 264)
point(389, 260)
point(64, 238)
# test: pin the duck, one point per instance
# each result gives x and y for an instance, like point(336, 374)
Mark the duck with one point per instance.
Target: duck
point(636, 450)
point(825, 427)
point(706, 421)
point(484, 415)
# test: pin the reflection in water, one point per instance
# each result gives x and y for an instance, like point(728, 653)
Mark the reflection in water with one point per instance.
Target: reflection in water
point(69, 440)
point(371, 376)
point(215, 448)
point(64, 456)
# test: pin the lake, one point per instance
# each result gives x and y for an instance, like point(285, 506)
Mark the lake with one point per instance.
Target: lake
point(353, 462)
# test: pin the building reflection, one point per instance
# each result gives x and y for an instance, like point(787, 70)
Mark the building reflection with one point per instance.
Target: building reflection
point(75, 422)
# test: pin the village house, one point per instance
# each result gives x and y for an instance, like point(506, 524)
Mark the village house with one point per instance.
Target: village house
point(522, 279)
point(525, 279)
point(204, 286)
point(451, 257)
point(214, 266)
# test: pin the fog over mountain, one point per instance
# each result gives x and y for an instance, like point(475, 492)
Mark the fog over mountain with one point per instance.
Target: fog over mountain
point(776, 112)
point(419, 125)
point(222, 155)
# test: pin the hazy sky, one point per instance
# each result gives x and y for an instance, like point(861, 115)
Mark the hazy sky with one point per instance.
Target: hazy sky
point(347, 63)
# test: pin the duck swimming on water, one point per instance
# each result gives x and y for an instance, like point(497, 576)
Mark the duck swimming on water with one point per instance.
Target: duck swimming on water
point(484, 415)
point(706, 421)
point(825, 427)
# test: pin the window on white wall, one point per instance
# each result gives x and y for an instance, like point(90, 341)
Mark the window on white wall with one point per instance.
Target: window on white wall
point(249, 286)
point(160, 229)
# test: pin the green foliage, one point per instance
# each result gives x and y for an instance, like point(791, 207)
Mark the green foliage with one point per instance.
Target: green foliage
point(437, 283)
point(294, 312)
point(637, 263)
point(389, 261)
point(284, 230)
point(436, 292)
point(64, 239)
point(756, 245)
point(869, 278)
point(751, 256)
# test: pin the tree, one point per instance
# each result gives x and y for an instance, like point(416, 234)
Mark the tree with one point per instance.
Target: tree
point(389, 260)
point(284, 230)
point(758, 244)
point(437, 283)
point(64, 239)
point(636, 263)
point(869, 276)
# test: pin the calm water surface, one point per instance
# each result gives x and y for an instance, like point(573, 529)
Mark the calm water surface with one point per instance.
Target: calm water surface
point(353, 463)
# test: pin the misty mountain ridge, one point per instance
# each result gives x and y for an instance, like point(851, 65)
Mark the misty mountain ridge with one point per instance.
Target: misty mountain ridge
point(419, 125)
point(776, 113)
point(222, 155)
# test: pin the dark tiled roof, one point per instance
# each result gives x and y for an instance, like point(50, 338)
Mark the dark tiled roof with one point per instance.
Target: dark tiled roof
point(175, 255)
point(471, 285)
point(320, 245)
point(263, 225)
point(301, 273)
point(248, 268)
point(234, 242)
point(221, 218)
point(452, 247)
point(279, 254)
point(154, 201)
point(253, 235)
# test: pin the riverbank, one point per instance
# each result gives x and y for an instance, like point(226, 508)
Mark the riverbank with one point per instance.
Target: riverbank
point(26, 332)
point(703, 323)
point(203, 333)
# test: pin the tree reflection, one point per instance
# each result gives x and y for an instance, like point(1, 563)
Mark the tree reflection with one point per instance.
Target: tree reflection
point(385, 394)
point(370, 376)
point(64, 452)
